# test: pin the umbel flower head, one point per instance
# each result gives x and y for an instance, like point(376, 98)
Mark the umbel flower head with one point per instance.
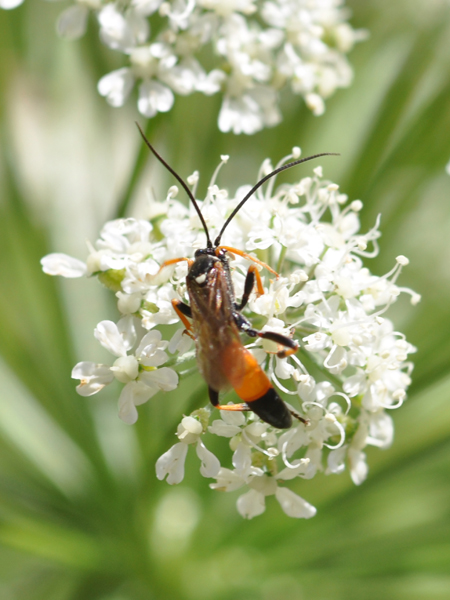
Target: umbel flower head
point(352, 366)
point(246, 50)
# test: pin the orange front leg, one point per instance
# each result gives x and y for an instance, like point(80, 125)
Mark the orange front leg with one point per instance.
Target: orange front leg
point(259, 285)
point(247, 256)
point(173, 261)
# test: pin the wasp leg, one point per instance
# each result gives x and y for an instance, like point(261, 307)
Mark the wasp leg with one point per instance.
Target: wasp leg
point(235, 407)
point(245, 255)
point(173, 261)
point(252, 275)
point(270, 408)
point(290, 346)
point(214, 398)
point(183, 311)
point(264, 408)
point(295, 414)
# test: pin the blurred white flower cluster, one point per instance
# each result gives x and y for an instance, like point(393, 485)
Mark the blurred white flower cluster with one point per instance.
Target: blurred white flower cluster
point(248, 50)
point(351, 369)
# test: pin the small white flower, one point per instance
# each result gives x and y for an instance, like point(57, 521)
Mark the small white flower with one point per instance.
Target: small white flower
point(139, 371)
point(251, 504)
point(72, 22)
point(116, 86)
point(117, 339)
point(223, 429)
point(316, 341)
point(93, 378)
point(358, 466)
point(154, 97)
point(293, 505)
point(210, 463)
point(171, 463)
point(122, 31)
point(9, 4)
point(133, 394)
point(336, 460)
point(63, 265)
point(250, 112)
point(315, 103)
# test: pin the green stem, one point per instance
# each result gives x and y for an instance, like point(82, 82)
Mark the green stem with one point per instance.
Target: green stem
point(281, 259)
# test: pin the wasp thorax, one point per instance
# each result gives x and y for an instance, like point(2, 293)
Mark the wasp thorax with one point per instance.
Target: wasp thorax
point(203, 264)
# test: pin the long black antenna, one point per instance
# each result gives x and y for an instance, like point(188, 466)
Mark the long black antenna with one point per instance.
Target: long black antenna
point(185, 186)
point(261, 182)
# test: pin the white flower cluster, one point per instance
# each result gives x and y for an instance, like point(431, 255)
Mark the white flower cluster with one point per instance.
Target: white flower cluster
point(253, 50)
point(350, 370)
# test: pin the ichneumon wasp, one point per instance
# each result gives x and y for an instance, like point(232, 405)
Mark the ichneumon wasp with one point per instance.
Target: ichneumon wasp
point(214, 319)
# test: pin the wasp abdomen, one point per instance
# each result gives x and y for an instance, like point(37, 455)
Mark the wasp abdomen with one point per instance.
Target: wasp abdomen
point(253, 386)
point(271, 409)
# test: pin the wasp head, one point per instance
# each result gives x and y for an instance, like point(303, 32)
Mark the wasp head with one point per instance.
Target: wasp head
point(202, 267)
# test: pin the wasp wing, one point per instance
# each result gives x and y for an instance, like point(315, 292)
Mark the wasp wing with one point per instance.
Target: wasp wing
point(217, 337)
point(223, 361)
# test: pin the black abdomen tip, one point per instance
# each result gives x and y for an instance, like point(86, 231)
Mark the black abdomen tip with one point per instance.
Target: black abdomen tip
point(271, 409)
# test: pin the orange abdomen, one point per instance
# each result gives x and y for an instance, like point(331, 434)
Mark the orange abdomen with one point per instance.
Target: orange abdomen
point(244, 373)
point(253, 386)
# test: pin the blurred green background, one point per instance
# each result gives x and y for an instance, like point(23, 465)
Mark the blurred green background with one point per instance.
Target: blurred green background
point(82, 515)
